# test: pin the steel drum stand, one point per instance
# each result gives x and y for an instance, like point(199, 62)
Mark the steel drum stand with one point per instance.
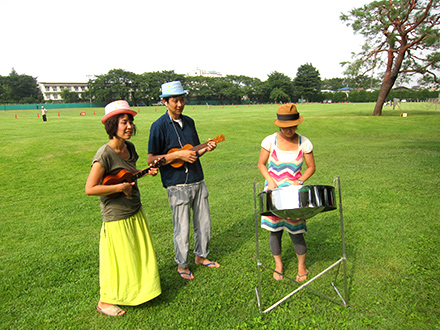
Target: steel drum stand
point(337, 264)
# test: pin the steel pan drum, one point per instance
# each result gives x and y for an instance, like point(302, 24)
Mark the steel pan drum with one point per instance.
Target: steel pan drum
point(297, 202)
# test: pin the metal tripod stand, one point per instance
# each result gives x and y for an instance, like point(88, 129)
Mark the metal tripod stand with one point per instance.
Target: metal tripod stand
point(342, 261)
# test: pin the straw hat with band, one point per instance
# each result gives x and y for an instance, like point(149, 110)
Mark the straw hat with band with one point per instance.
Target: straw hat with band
point(116, 108)
point(288, 116)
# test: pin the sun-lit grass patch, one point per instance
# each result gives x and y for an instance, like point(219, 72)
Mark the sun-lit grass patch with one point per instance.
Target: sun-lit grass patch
point(389, 173)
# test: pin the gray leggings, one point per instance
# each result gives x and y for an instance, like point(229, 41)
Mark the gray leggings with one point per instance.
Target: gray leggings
point(298, 241)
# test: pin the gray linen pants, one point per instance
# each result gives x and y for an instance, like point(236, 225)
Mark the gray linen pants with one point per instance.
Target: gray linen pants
point(182, 199)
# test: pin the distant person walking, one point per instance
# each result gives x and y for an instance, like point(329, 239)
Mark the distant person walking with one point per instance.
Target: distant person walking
point(43, 113)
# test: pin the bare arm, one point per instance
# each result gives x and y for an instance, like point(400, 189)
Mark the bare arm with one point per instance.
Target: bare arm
point(184, 155)
point(94, 188)
point(188, 156)
point(310, 163)
point(264, 157)
point(210, 147)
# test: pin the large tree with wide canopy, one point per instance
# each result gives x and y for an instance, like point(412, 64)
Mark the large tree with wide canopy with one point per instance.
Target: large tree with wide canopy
point(401, 37)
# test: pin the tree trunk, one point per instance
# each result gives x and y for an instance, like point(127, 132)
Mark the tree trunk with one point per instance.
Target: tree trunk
point(391, 73)
point(383, 93)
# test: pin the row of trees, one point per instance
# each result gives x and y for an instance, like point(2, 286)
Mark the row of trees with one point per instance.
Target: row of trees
point(145, 88)
point(305, 87)
point(19, 88)
point(371, 96)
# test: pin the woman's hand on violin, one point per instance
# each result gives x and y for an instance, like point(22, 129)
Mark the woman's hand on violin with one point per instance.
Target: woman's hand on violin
point(153, 171)
point(126, 188)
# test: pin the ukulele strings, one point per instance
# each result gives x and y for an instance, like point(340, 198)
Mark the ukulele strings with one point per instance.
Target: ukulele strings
point(181, 145)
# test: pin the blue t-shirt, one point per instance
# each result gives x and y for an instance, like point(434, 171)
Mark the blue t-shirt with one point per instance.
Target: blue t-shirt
point(165, 134)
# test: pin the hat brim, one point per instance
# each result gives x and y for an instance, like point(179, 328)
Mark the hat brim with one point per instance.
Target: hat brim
point(117, 112)
point(171, 95)
point(288, 123)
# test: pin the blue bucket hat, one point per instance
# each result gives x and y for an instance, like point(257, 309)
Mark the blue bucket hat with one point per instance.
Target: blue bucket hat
point(173, 88)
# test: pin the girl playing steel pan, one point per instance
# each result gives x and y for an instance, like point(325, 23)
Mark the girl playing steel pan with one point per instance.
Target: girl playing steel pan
point(282, 155)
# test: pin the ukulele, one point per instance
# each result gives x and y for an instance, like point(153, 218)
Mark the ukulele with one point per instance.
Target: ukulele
point(125, 175)
point(178, 163)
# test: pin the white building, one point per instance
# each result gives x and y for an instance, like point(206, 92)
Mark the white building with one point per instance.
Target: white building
point(52, 91)
point(204, 73)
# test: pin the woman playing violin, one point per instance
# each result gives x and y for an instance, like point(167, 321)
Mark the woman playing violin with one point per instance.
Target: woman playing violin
point(128, 272)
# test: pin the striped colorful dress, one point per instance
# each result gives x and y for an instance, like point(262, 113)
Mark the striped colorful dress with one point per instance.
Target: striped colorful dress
point(284, 167)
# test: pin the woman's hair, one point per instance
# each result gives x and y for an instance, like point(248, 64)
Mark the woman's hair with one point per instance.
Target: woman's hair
point(111, 125)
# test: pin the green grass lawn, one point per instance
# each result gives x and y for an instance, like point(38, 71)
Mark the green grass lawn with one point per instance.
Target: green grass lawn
point(389, 170)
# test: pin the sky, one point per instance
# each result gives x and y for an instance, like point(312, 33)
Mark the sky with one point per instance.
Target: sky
point(70, 41)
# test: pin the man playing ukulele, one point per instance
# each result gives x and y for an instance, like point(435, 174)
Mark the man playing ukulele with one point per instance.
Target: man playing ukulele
point(185, 186)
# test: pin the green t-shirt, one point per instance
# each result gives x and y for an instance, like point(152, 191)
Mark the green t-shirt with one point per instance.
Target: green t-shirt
point(121, 207)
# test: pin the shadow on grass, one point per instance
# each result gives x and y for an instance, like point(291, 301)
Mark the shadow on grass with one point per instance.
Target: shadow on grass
point(324, 247)
point(223, 245)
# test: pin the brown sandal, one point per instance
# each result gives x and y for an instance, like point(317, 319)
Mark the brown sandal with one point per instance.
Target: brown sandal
point(299, 278)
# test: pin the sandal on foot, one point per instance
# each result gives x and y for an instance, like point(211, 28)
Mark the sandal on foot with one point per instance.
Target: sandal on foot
point(301, 278)
point(280, 276)
point(112, 310)
point(210, 264)
point(183, 274)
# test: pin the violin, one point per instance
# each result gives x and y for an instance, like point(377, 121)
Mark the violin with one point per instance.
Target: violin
point(125, 175)
point(178, 163)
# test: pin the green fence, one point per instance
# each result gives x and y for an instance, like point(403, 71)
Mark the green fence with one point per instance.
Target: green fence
point(50, 106)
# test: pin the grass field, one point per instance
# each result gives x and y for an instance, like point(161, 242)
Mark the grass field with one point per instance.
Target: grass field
point(389, 170)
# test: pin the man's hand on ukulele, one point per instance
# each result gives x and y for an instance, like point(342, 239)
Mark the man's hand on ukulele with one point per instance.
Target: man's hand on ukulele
point(188, 156)
point(211, 145)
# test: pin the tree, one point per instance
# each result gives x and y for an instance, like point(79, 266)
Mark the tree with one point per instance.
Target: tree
point(307, 82)
point(154, 81)
point(402, 37)
point(200, 88)
point(334, 84)
point(278, 95)
point(117, 84)
point(19, 88)
point(68, 96)
point(249, 88)
point(227, 90)
point(281, 83)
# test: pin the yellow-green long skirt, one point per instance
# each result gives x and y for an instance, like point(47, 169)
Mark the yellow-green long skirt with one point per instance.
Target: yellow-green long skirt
point(128, 272)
